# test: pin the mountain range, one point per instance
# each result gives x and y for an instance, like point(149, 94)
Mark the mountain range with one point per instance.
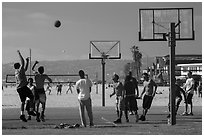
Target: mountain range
point(91, 67)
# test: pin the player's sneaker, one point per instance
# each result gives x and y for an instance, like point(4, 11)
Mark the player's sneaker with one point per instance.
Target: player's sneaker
point(42, 117)
point(38, 117)
point(184, 114)
point(29, 117)
point(22, 117)
point(190, 114)
point(91, 124)
point(137, 118)
point(168, 116)
point(142, 118)
point(117, 121)
point(83, 125)
point(131, 113)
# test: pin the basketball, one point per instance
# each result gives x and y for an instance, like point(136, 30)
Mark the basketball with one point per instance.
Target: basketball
point(57, 23)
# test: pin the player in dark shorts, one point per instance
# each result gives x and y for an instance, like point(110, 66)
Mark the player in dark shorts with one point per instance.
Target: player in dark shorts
point(178, 97)
point(21, 84)
point(134, 81)
point(150, 88)
point(59, 88)
point(40, 78)
point(33, 90)
point(130, 99)
point(118, 90)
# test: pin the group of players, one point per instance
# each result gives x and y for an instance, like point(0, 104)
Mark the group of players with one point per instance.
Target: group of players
point(126, 96)
point(59, 88)
point(34, 95)
point(29, 94)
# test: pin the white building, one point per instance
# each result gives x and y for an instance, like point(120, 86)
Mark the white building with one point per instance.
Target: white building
point(196, 68)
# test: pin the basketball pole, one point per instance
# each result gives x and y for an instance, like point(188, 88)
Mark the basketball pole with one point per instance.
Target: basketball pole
point(96, 82)
point(30, 63)
point(103, 81)
point(172, 74)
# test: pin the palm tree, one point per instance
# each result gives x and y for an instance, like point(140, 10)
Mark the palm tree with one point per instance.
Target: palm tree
point(137, 56)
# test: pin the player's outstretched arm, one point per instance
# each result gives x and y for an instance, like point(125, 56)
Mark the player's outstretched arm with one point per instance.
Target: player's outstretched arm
point(49, 79)
point(33, 68)
point(27, 62)
point(21, 59)
point(112, 93)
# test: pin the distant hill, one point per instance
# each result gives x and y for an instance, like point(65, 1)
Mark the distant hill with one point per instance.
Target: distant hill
point(91, 67)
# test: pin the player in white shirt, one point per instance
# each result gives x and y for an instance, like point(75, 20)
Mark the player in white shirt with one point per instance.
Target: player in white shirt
point(189, 90)
point(83, 87)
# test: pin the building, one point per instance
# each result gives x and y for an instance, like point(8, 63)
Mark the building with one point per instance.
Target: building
point(183, 63)
point(196, 68)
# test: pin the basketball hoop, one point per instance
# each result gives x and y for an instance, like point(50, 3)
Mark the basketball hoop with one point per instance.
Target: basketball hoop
point(104, 50)
point(104, 55)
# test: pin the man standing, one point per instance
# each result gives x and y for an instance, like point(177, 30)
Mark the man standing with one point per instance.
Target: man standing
point(130, 97)
point(83, 87)
point(118, 90)
point(189, 90)
point(22, 89)
point(135, 83)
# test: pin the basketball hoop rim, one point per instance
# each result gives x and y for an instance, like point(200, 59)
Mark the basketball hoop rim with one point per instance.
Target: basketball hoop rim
point(105, 58)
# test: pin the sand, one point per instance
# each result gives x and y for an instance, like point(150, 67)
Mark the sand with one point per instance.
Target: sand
point(10, 98)
point(64, 109)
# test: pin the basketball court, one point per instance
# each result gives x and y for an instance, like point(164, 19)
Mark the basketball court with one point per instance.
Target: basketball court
point(162, 24)
point(156, 123)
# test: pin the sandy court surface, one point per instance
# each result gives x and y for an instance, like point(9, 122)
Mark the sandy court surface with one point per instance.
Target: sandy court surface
point(64, 109)
point(10, 98)
point(156, 123)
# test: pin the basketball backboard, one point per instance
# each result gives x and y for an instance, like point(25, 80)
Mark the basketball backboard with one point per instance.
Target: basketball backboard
point(154, 23)
point(104, 50)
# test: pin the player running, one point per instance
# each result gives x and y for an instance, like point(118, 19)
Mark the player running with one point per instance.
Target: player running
point(150, 89)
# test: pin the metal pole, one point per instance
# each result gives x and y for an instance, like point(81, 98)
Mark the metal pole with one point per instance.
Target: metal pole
point(96, 82)
point(30, 63)
point(103, 82)
point(172, 74)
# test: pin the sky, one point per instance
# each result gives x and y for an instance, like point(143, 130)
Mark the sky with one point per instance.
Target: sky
point(30, 25)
